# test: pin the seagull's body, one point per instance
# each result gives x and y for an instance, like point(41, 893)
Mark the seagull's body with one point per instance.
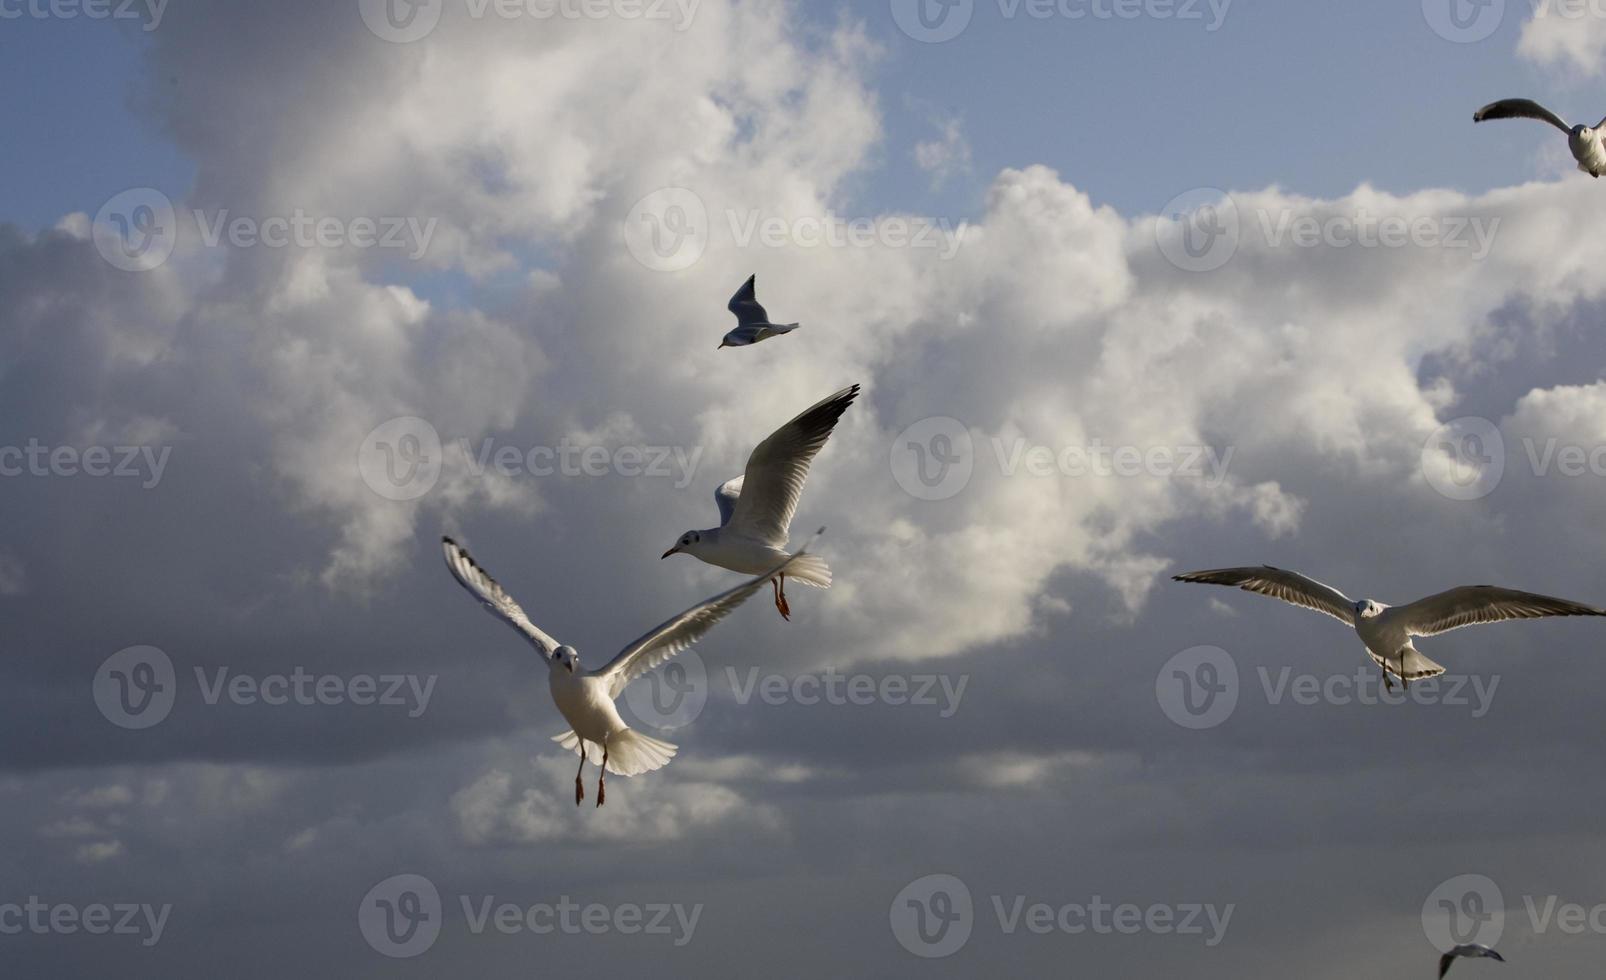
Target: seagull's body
point(586, 698)
point(1467, 951)
point(752, 321)
point(756, 508)
point(1586, 143)
point(1388, 632)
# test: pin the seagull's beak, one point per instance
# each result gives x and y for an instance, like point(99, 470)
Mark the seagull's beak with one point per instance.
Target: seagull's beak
point(669, 552)
point(722, 345)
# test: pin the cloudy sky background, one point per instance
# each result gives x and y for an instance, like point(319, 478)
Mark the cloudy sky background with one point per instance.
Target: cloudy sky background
point(1062, 318)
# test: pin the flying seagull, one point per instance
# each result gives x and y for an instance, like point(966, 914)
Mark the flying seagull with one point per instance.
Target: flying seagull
point(586, 698)
point(1387, 631)
point(752, 322)
point(1584, 141)
point(756, 508)
point(1469, 951)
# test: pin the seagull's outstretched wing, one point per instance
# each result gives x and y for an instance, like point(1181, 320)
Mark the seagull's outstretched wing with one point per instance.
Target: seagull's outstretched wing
point(675, 635)
point(775, 472)
point(1280, 584)
point(1520, 109)
point(726, 496)
point(493, 597)
point(1476, 604)
point(746, 306)
point(1469, 950)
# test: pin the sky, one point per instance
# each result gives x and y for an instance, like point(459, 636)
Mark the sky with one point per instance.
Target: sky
point(287, 292)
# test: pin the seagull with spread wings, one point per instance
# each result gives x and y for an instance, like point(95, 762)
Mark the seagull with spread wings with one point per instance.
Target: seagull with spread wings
point(1467, 951)
point(586, 698)
point(752, 321)
point(756, 508)
point(1388, 631)
point(1584, 141)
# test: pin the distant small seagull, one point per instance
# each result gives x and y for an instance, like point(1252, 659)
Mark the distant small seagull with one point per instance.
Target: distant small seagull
point(1468, 951)
point(586, 698)
point(1387, 631)
point(753, 323)
point(1585, 142)
point(756, 508)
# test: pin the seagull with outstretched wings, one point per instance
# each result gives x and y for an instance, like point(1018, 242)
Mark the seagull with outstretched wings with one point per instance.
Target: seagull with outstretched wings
point(586, 698)
point(1585, 142)
point(1388, 631)
point(752, 320)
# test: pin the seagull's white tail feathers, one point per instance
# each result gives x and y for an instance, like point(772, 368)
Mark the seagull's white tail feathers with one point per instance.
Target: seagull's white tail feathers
point(810, 570)
point(630, 753)
point(1416, 668)
point(785, 328)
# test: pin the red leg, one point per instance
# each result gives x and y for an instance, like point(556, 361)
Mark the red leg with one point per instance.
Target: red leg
point(602, 789)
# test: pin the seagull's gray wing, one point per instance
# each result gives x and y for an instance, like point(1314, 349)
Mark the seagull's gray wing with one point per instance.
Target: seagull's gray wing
point(1280, 584)
point(493, 597)
point(1473, 605)
point(680, 632)
point(746, 306)
point(775, 472)
point(726, 497)
point(1520, 109)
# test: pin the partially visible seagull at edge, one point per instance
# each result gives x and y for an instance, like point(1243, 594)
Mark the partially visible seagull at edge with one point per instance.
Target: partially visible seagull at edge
point(756, 508)
point(586, 698)
point(753, 322)
point(1388, 631)
point(1584, 141)
point(1467, 951)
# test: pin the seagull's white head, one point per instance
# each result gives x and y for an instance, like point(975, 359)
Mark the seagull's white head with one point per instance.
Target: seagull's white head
point(688, 543)
point(1366, 609)
point(566, 658)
